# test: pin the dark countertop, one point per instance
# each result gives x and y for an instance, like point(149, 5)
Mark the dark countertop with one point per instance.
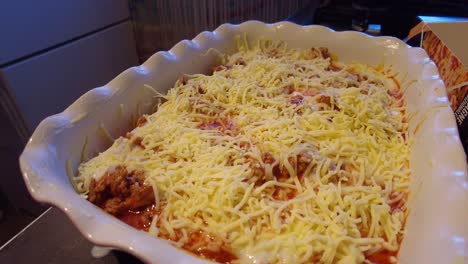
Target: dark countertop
point(52, 238)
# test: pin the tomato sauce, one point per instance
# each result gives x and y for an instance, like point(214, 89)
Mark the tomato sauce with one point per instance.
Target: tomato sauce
point(139, 219)
point(197, 245)
point(382, 257)
point(221, 256)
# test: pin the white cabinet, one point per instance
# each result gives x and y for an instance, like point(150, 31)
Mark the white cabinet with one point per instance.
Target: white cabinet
point(30, 26)
point(46, 84)
point(52, 52)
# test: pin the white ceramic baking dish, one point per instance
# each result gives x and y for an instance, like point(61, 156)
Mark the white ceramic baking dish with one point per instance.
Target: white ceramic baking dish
point(436, 227)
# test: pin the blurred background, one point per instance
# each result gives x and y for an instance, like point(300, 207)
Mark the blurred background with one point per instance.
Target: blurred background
point(53, 51)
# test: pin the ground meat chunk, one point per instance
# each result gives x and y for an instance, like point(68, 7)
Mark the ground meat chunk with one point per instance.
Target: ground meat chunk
point(297, 99)
point(334, 67)
point(283, 194)
point(324, 99)
point(141, 121)
point(224, 126)
point(119, 191)
point(318, 53)
point(303, 161)
point(281, 173)
point(289, 89)
point(258, 171)
point(324, 52)
point(240, 61)
point(182, 80)
point(279, 170)
point(220, 68)
point(268, 158)
point(138, 142)
point(397, 201)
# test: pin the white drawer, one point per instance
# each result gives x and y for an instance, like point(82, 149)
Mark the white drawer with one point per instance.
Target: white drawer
point(29, 26)
point(47, 83)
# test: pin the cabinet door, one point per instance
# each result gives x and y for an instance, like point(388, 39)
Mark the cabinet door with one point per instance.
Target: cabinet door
point(29, 26)
point(46, 84)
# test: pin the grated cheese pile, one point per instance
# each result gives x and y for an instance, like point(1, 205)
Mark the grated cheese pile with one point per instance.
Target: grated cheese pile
point(214, 152)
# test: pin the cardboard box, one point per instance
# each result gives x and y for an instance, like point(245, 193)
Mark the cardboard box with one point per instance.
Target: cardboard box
point(446, 42)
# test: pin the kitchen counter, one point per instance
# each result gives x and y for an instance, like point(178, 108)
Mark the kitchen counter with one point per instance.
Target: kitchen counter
point(52, 238)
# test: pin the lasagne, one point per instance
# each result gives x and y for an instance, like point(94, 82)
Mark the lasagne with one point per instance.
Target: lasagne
point(280, 155)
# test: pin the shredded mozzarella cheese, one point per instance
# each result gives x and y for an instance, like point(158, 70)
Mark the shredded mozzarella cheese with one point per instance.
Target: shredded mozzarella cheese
point(204, 154)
